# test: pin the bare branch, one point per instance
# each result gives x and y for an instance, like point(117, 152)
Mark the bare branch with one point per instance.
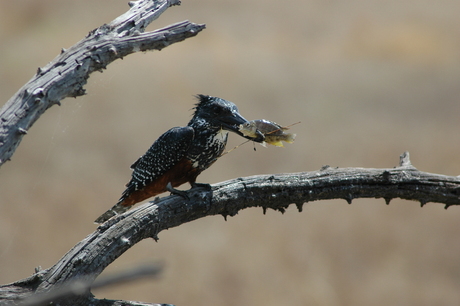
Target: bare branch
point(66, 75)
point(86, 260)
point(75, 288)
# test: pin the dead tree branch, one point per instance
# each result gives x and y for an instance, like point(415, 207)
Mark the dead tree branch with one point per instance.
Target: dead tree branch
point(66, 75)
point(86, 260)
point(73, 288)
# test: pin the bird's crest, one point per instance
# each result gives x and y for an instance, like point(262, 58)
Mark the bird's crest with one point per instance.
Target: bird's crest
point(203, 100)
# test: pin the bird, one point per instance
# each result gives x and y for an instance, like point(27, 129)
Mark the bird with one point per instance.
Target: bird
point(181, 153)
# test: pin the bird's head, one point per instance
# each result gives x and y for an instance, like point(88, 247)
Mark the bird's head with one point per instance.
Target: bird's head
point(218, 113)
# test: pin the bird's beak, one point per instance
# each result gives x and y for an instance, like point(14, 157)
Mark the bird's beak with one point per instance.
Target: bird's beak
point(232, 122)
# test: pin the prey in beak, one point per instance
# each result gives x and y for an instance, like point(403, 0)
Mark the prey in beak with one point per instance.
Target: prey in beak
point(220, 113)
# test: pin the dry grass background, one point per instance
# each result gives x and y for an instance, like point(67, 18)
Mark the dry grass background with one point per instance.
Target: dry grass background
point(368, 80)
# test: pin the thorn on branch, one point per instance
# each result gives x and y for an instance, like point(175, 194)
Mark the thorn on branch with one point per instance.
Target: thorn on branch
point(387, 201)
point(22, 131)
point(422, 203)
point(299, 206)
point(113, 50)
point(38, 92)
point(264, 209)
point(156, 228)
point(447, 206)
point(349, 198)
point(404, 160)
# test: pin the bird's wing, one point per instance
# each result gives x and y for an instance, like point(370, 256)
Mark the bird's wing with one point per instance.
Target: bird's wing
point(165, 152)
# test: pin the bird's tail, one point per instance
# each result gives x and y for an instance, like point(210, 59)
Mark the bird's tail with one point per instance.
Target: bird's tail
point(115, 210)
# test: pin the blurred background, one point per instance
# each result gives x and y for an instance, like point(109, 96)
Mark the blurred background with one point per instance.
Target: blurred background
point(367, 79)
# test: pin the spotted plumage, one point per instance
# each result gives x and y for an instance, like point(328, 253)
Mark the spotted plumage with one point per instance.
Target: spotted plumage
point(181, 154)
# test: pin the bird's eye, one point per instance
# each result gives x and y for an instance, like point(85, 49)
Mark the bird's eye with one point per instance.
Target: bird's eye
point(217, 110)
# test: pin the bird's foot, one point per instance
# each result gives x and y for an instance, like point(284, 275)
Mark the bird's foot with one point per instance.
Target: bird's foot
point(201, 185)
point(181, 193)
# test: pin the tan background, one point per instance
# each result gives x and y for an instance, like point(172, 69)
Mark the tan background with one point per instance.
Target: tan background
point(368, 80)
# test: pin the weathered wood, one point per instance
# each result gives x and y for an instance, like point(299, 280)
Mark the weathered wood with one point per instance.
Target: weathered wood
point(86, 260)
point(66, 75)
point(73, 288)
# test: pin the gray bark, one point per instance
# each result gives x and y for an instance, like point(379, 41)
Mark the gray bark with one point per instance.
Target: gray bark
point(66, 75)
point(86, 260)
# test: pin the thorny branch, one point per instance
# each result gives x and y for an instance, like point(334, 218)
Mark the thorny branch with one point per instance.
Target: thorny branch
point(86, 260)
point(66, 75)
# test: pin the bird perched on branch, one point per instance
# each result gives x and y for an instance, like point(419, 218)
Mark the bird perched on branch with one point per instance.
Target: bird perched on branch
point(181, 154)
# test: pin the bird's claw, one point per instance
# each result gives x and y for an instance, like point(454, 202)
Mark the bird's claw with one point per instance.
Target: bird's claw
point(180, 193)
point(202, 185)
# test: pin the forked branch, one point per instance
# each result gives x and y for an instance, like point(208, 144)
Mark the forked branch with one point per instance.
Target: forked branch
point(66, 75)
